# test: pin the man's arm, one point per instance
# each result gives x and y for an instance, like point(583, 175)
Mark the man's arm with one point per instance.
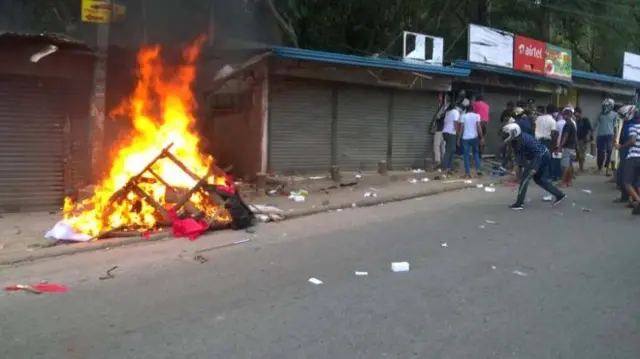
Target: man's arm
point(633, 133)
point(480, 134)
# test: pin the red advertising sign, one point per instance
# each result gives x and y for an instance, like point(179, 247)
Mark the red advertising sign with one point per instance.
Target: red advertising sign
point(529, 55)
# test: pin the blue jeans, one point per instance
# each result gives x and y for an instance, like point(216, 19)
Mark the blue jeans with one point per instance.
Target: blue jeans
point(541, 178)
point(604, 145)
point(467, 146)
point(547, 143)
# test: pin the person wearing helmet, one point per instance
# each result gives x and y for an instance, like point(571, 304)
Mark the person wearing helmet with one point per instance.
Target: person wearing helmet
point(628, 172)
point(523, 120)
point(604, 129)
point(535, 158)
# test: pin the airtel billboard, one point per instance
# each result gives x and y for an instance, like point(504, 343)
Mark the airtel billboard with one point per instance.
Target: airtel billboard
point(529, 55)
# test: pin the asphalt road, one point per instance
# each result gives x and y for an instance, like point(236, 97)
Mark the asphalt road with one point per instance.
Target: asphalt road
point(542, 283)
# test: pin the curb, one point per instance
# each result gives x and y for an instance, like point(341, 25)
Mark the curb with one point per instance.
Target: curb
point(72, 249)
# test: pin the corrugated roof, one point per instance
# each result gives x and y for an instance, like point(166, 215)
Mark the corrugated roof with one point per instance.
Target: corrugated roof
point(60, 40)
point(343, 59)
point(584, 75)
point(506, 71)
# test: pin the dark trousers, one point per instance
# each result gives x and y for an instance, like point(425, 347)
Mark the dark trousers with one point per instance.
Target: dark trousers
point(449, 151)
point(541, 178)
point(547, 143)
point(624, 196)
point(604, 146)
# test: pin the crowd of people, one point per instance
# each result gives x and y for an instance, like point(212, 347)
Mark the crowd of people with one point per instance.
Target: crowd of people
point(544, 143)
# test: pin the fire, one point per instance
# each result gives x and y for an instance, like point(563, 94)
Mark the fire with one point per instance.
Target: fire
point(160, 109)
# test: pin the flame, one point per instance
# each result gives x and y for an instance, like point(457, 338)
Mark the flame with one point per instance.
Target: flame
point(166, 92)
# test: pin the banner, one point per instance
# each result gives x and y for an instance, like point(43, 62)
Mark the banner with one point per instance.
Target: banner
point(99, 11)
point(557, 62)
point(490, 46)
point(631, 67)
point(529, 55)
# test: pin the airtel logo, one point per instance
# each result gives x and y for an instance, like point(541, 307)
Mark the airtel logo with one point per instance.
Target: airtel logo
point(530, 51)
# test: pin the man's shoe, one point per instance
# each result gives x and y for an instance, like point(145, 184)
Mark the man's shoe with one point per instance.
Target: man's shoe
point(558, 200)
point(516, 207)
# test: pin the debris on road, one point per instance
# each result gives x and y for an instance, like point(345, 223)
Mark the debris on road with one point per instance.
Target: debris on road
point(480, 185)
point(587, 191)
point(493, 267)
point(400, 267)
point(482, 226)
point(315, 281)
point(108, 274)
point(413, 180)
point(584, 209)
point(522, 274)
point(223, 246)
point(298, 196)
point(491, 222)
point(444, 244)
point(370, 194)
point(418, 171)
point(62, 231)
point(200, 259)
point(489, 189)
point(548, 198)
point(362, 274)
point(38, 288)
point(424, 179)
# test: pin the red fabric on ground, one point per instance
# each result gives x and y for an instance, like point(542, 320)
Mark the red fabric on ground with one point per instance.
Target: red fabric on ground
point(187, 227)
point(49, 288)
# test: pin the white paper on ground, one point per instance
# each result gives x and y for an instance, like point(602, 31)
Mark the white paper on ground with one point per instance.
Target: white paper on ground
point(264, 208)
point(489, 189)
point(315, 281)
point(362, 273)
point(400, 266)
point(548, 198)
point(63, 232)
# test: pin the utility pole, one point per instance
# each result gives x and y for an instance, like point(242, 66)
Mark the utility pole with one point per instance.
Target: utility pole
point(98, 97)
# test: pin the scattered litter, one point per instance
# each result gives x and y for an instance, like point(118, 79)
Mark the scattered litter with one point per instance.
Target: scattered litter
point(444, 244)
point(269, 217)
point(468, 181)
point(418, 170)
point(187, 227)
point(108, 275)
point(481, 226)
point(548, 198)
point(38, 288)
point(200, 259)
point(264, 208)
point(62, 231)
point(493, 267)
point(491, 222)
point(491, 185)
point(400, 267)
point(489, 189)
point(362, 274)
point(573, 204)
point(413, 180)
point(517, 272)
point(358, 176)
point(298, 196)
point(317, 177)
point(370, 194)
point(424, 179)
point(339, 210)
point(587, 191)
point(479, 185)
point(353, 205)
point(242, 241)
point(315, 281)
point(584, 209)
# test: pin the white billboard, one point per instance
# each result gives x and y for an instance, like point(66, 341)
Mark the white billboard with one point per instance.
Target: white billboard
point(631, 67)
point(421, 48)
point(490, 46)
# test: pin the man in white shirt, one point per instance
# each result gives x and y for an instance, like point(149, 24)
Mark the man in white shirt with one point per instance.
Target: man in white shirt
point(470, 137)
point(451, 119)
point(545, 127)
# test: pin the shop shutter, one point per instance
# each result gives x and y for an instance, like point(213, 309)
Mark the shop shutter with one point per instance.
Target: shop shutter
point(541, 98)
point(299, 126)
point(32, 116)
point(411, 139)
point(497, 100)
point(362, 130)
point(590, 102)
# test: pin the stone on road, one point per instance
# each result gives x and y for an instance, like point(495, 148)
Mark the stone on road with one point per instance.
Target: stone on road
point(538, 283)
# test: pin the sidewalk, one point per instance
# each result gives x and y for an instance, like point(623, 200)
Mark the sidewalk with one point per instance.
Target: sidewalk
point(22, 234)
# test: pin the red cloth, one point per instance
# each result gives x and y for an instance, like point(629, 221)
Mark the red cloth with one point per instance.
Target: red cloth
point(187, 227)
point(51, 288)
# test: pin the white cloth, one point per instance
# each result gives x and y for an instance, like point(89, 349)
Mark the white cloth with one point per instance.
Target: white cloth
point(559, 126)
point(63, 232)
point(438, 147)
point(469, 122)
point(450, 118)
point(545, 124)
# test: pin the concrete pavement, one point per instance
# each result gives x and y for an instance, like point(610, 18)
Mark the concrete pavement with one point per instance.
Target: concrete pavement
point(541, 283)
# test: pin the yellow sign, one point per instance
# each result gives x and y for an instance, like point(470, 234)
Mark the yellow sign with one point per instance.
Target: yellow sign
point(99, 11)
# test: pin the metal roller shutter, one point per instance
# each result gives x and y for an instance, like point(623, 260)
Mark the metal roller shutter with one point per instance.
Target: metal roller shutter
point(32, 115)
point(362, 127)
point(497, 101)
point(299, 126)
point(591, 104)
point(412, 116)
point(542, 98)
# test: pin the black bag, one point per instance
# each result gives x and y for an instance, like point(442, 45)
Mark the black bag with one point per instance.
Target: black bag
point(241, 215)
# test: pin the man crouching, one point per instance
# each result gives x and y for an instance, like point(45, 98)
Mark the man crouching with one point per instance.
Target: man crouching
point(535, 158)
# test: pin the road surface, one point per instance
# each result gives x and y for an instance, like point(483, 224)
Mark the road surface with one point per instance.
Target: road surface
point(542, 283)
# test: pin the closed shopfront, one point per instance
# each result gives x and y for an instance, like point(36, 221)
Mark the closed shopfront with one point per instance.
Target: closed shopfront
point(299, 126)
point(362, 127)
point(497, 100)
point(541, 98)
point(412, 114)
point(33, 115)
point(591, 104)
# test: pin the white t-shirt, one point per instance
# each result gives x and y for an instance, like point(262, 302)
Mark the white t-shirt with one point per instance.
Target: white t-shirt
point(450, 118)
point(559, 126)
point(545, 124)
point(469, 122)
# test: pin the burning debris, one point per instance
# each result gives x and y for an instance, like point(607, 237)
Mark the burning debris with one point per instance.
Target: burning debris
point(158, 174)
